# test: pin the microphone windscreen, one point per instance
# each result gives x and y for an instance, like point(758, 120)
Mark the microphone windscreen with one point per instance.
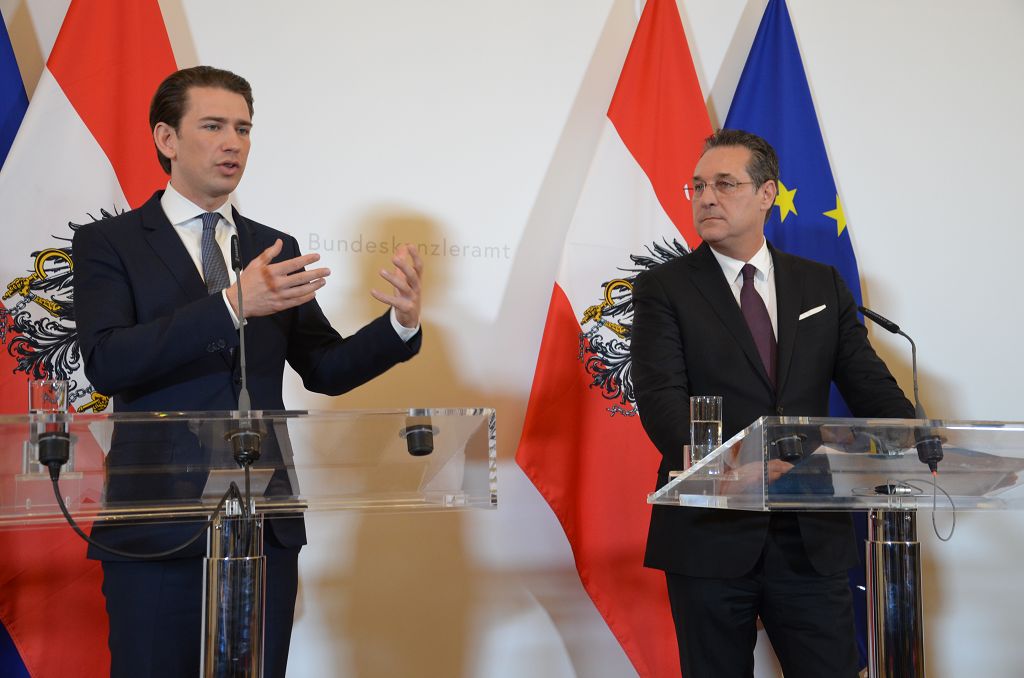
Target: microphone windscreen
point(881, 320)
point(236, 255)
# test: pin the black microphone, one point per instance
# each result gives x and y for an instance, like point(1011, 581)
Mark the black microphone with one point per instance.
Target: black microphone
point(884, 322)
point(419, 433)
point(236, 264)
point(929, 446)
point(236, 255)
point(789, 446)
point(245, 441)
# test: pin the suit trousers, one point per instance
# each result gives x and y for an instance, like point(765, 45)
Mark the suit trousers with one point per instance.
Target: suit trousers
point(808, 616)
point(156, 611)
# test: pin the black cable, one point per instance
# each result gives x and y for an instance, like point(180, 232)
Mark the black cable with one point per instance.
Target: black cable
point(232, 491)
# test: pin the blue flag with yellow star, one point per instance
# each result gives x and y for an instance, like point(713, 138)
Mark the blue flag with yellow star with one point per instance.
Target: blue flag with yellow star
point(773, 100)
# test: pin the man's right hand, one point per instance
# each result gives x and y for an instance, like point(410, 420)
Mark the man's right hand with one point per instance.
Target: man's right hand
point(268, 288)
point(752, 477)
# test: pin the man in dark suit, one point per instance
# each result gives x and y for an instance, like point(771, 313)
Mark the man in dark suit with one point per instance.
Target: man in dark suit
point(157, 315)
point(769, 332)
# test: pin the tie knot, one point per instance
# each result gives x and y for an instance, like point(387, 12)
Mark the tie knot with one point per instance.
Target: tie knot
point(210, 220)
point(748, 272)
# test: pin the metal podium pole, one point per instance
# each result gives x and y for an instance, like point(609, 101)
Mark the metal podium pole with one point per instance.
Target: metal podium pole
point(235, 585)
point(895, 612)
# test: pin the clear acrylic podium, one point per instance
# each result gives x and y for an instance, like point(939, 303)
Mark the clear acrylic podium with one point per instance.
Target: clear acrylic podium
point(172, 471)
point(826, 464)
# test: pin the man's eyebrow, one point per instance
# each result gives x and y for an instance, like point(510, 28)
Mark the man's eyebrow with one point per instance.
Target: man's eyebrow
point(720, 175)
point(224, 121)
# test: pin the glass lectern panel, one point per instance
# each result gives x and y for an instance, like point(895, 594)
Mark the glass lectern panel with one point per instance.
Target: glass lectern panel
point(826, 464)
point(169, 465)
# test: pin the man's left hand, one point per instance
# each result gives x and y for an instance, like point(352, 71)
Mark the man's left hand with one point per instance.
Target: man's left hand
point(405, 279)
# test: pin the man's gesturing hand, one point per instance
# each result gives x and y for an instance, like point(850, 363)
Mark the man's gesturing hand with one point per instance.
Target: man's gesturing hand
point(268, 288)
point(405, 278)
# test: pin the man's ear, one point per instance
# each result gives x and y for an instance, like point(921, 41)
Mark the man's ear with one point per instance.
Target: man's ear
point(770, 192)
point(166, 139)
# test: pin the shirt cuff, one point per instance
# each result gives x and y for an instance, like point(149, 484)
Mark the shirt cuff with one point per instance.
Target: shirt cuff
point(404, 333)
point(231, 311)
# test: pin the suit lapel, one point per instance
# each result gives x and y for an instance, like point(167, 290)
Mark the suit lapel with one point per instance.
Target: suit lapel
point(167, 247)
point(249, 242)
point(247, 246)
point(787, 304)
point(712, 285)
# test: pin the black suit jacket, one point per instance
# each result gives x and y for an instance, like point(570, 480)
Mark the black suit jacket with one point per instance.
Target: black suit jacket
point(689, 338)
point(153, 338)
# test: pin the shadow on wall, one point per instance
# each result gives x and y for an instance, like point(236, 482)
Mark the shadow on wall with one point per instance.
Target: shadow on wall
point(442, 374)
point(406, 605)
point(409, 613)
point(25, 43)
point(179, 34)
point(406, 599)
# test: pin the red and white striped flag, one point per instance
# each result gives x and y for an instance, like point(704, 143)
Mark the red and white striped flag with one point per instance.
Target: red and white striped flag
point(84, 149)
point(582, 444)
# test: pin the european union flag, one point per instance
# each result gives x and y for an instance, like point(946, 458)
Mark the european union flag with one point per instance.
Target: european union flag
point(774, 101)
point(13, 100)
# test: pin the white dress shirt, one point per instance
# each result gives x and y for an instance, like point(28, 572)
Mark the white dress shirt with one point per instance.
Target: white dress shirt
point(764, 279)
point(186, 218)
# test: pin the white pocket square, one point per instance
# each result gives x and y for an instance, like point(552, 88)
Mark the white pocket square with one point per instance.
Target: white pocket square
point(808, 314)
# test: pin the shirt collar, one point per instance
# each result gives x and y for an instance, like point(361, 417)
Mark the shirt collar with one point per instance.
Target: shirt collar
point(762, 261)
point(180, 210)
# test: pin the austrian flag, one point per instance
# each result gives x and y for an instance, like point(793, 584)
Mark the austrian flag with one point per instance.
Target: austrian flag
point(582, 444)
point(83, 152)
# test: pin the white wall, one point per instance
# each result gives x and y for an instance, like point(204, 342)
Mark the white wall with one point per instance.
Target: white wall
point(474, 121)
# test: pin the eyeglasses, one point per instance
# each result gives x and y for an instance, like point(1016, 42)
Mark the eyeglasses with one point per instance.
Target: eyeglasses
point(720, 186)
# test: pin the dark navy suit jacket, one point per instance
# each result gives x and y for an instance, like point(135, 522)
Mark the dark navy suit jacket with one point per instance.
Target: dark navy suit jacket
point(154, 339)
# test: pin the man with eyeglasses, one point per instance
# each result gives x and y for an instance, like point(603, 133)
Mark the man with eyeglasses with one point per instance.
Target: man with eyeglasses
point(769, 332)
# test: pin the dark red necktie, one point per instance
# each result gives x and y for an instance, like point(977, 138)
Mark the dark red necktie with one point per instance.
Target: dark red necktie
point(758, 320)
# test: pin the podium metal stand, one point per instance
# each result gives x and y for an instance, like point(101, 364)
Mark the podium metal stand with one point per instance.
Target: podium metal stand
point(170, 470)
point(826, 464)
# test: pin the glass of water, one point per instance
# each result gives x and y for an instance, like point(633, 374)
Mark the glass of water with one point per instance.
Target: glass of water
point(705, 426)
point(47, 395)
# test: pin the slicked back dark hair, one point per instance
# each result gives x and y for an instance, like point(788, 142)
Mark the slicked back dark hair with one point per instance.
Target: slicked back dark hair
point(168, 105)
point(764, 162)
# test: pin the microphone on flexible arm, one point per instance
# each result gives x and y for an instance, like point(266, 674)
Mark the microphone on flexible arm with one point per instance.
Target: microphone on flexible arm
point(245, 440)
point(929, 445)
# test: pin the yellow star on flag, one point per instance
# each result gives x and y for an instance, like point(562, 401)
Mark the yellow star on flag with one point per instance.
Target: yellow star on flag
point(784, 200)
point(838, 215)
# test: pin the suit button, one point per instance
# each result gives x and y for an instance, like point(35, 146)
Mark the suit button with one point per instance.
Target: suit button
point(221, 343)
point(212, 348)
